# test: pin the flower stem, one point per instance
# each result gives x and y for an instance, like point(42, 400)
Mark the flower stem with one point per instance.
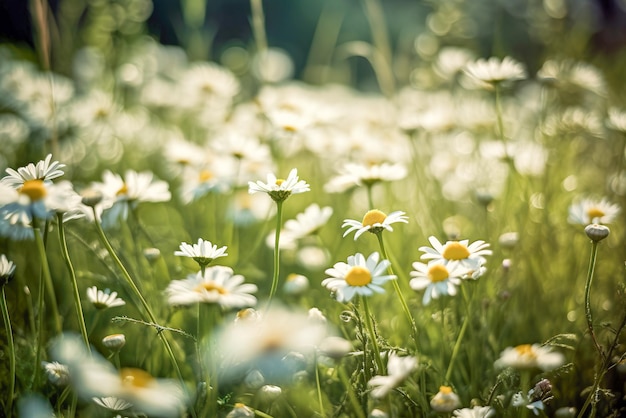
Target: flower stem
point(131, 284)
point(48, 284)
point(592, 266)
point(350, 390)
point(11, 348)
point(455, 350)
point(279, 215)
point(370, 329)
point(319, 388)
point(396, 286)
point(66, 256)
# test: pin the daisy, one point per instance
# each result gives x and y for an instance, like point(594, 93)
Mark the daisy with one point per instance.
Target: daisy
point(475, 412)
point(203, 253)
point(445, 400)
point(44, 170)
point(58, 374)
point(216, 285)
point(279, 189)
point(6, 269)
point(469, 256)
point(374, 221)
point(358, 277)
point(104, 299)
point(527, 356)
point(199, 181)
point(308, 222)
point(353, 174)
point(494, 71)
point(240, 410)
point(112, 403)
point(437, 278)
point(398, 369)
point(616, 120)
point(588, 211)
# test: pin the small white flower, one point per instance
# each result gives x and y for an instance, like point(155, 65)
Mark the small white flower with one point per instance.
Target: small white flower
point(44, 170)
point(204, 252)
point(358, 277)
point(587, 211)
point(296, 284)
point(470, 256)
point(374, 221)
point(279, 189)
point(445, 400)
point(307, 222)
point(437, 278)
point(104, 299)
point(112, 403)
point(527, 356)
point(6, 266)
point(398, 369)
point(58, 374)
point(494, 70)
point(475, 412)
point(353, 174)
point(217, 285)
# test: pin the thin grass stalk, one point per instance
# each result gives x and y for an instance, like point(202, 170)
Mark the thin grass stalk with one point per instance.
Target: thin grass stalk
point(10, 348)
point(258, 25)
point(318, 388)
point(70, 267)
point(369, 324)
point(279, 216)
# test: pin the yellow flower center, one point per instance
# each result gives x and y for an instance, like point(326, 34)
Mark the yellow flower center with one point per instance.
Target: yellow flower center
point(239, 405)
point(455, 251)
point(245, 313)
point(526, 350)
point(438, 273)
point(205, 175)
point(34, 189)
point(358, 276)
point(122, 190)
point(135, 378)
point(279, 181)
point(210, 287)
point(594, 213)
point(290, 128)
point(374, 217)
point(445, 390)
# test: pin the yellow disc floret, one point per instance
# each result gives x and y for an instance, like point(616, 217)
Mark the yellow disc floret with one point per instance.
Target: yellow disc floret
point(594, 213)
point(34, 189)
point(455, 251)
point(446, 390)
point(205, 175)
point(122, 190)
point(526, 351)
point(438, 273)
point(374, 217)
point(358, 276)
point(135, 378)
point(279, 182)
point(210, 287)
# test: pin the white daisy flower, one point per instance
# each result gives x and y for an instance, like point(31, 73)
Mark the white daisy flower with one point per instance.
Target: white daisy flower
point(104, 299)
point(475, 412)
point(308, 222)
point(374, 221)
point(469, 256)
point(616, 120)
point(204, 252)
point(217, 285)
point(279, 189)
point(445, 400)
point(112, 403)
point(588, 211)
point(398, 369)
point(240, 410)
point(6, 267)
point(437, 278)
point(44, 170)
point(58, 374)
point(494, 70)
point(353, 174)
point(527, 356)
point(358, 277)
point(199, 181)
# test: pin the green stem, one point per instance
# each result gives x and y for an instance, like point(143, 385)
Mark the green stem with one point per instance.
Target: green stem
point(396, 286)
point(279, 215)
point(499, 117)
point(131, 284)
point(11, 348)
point(592, 265)
point(48, 284)
point(370, 199)
point(319, 388)
point(68, 262)
point(456, 349)
point(258, 25)
point(370, 329)
point(350, 391)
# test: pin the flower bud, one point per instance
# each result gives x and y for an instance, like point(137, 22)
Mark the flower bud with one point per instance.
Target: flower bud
point(597, 232)
point(91, 197)
point(114, 342)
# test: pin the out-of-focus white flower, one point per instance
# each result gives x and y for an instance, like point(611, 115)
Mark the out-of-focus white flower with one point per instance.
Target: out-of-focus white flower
point(494, 71)
point(587, 211)
point(104, 299)
point(353, 174)
point(527, 356)
point(445, 400)
point(296, 284)
point(398, 369)
point(475, 412)
point(58, 374)
point(112, 403)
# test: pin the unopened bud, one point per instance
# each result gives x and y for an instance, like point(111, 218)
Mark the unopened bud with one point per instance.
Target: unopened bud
point(91, 197)
point(114, 342)
point(597, 232)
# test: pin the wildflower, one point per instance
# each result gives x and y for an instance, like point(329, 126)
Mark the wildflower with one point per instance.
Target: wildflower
point(7, 268)
point(527, 356)
point(469, 256)
point(374, 221)
point(587, 211)
point(353, 174)
point(335, 347)
point(398, 369)
point(536, 398)
point(45, 170)
point(308, 222)
point(597, 232)
point(296, 284)
point(203, 253)
point(58, 374)
point(475, 412)
point(199, 181)
point(104, 299)
point(218, 284)
point(358, 277)
point(495, 71)
point(112, 403)
point(437, 278)
point(445, 400)
point(279, 189)
point(114, 342)
point(241, 411)
point(378, 413)
point(264, 342)
point(270, 392)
